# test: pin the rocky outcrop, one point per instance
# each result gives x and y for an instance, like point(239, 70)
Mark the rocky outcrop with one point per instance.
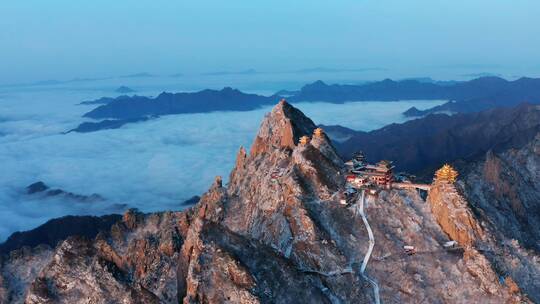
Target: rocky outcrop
point(433, 274)
point(135, 262)
point(503, 190)
point(452, 212)
point(275, 234)
point(20, 269)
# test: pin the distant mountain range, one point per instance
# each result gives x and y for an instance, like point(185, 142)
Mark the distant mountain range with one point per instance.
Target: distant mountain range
point(418, 146)
point(227, 99)
point(102, 100)
point(464, 97)
point(105, 124)
point(125, 109)
point(124, 90)
point(468, 96)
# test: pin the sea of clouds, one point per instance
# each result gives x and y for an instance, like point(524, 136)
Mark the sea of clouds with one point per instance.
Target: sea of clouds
point(153, 165)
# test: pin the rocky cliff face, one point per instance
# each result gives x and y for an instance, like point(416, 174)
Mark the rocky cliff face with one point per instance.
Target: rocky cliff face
point(503, 190)
point(453, 214)
point(275, 234)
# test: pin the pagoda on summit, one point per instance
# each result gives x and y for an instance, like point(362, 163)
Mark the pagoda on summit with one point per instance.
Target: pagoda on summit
point(446, 174)
point(319, 132)
point(304, 140)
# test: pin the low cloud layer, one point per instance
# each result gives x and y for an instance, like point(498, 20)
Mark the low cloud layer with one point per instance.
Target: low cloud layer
point(152, 166)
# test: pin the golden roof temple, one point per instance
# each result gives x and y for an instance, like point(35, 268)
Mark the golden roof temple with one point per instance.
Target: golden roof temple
point(304, 140)
point(319, 132)
point(446, 174)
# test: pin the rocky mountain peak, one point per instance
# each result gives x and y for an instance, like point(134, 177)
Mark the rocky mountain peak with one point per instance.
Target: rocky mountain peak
point(453, 214)
point(282, 128)
point(289, 145)
point(277, 233)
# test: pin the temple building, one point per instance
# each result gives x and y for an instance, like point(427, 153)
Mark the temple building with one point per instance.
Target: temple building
point(358, 161)
point(319, 132)
point(380, 174)
point(446, 174)
point(304, 140)
point(363, 174)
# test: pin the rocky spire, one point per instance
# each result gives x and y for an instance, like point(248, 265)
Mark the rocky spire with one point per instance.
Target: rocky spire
point(282, 128)
point(288, 141)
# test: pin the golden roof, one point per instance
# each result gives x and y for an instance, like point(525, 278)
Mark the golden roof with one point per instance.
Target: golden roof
point(446, 174)
point(304, 140)
point(319, 132)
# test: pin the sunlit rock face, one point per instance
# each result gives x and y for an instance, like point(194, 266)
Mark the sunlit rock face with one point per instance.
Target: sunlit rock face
point(503, 190)
point(282, 128)
point(275, 234)
point(452, 213)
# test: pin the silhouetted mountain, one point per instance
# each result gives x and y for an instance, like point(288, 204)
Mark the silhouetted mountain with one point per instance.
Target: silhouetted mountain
point(413, 112)
point(55, 231)
point(227, 99)
point(484, 74)
point(469, 96)
point(421, 145)
point(87, 127)
point(124, 90)
point(501, 94)
point(36, 187)
point(41, 188)
point(102, 100)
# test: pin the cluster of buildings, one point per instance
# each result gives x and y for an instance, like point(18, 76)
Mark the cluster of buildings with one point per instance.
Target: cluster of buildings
point(362, 174)
point(304, 140)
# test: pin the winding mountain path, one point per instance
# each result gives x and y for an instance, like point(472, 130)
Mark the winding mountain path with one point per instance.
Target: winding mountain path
point(360, 210)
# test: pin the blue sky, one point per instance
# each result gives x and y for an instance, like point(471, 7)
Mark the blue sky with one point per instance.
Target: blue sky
point(61, 39)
